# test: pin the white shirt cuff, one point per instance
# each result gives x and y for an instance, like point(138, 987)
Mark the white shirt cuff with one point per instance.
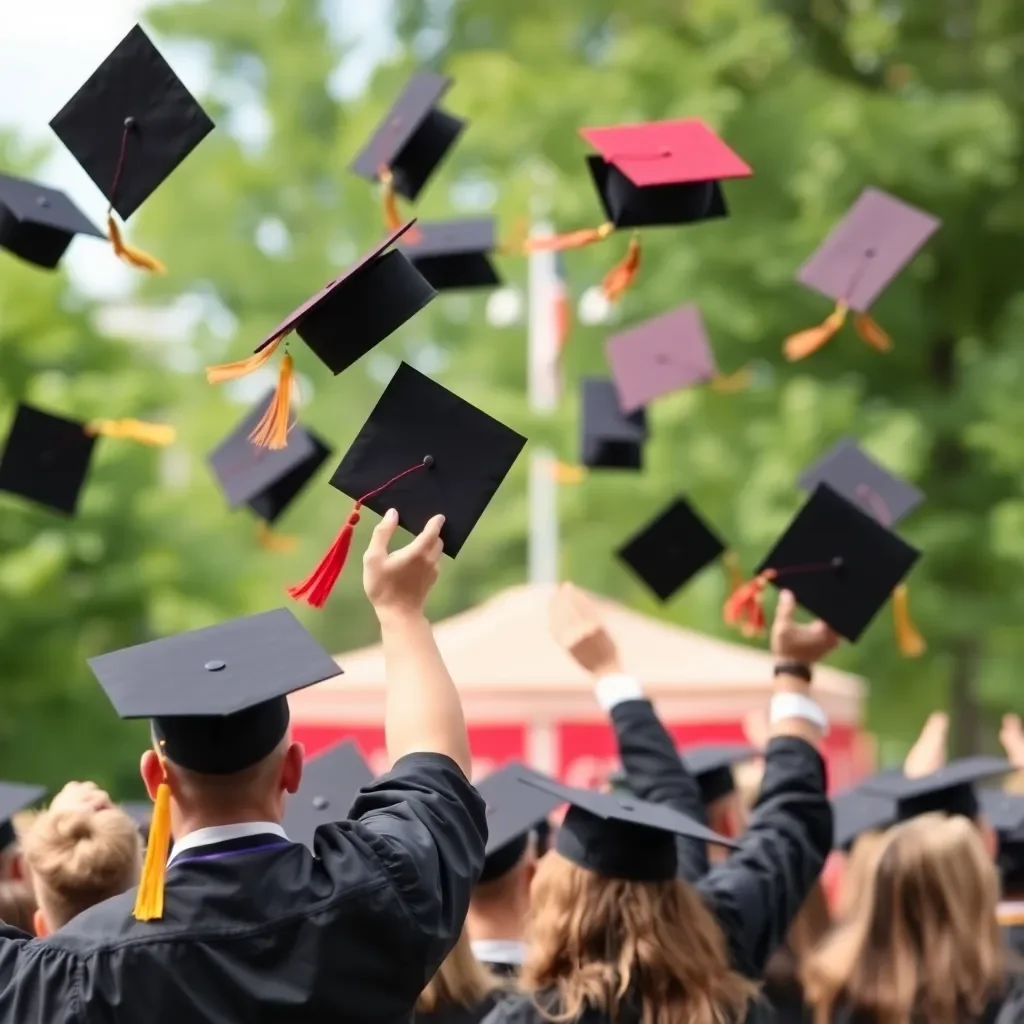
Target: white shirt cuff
point(612, 690)
point(796, 705)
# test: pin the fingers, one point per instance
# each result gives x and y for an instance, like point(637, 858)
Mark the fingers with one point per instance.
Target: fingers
point(381, 536)
point(428, 543)
point(785, 609)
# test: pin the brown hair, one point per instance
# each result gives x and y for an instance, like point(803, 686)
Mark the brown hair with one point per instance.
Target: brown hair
point(922, 940)
point(809, 927)
point(17, 905)
point(80, 858)
point(461, 980)
point(595, 939)
point(858, 869)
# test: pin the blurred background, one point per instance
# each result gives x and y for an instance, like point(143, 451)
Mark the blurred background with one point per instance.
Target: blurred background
point(821, 97)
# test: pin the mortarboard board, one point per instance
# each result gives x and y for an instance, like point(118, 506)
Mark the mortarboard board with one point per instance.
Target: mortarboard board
point(856, 812)
point(876, 239)
point(619, 836)
point(453, 254)
point(950, 790)
point(37, 223)
point(15, 797)
point(840, 563)
point(671, 549)
point(711, 765)
point(610, 438)
point(1004, 812)
point(330, 782)
point(341, 323)
point(513, 812)
point(129, 127)
point(423, 451)
point(659, 356)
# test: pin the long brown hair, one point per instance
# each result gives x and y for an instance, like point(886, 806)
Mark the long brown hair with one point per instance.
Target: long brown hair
point(593, 940)
point(858, 869)
point(809, 928)
point(923, 940)
point(461, 980)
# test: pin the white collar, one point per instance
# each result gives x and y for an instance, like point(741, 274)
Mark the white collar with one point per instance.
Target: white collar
point(499, 951)
point(222, 833)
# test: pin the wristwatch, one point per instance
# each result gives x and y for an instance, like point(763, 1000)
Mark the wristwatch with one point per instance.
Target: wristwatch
point(797, 669)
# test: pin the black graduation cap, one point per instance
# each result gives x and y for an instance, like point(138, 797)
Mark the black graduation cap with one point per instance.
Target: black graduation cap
point(15, 797)
point(37, 223)
point(1005, 813)
point(856, 812)
point(266, 479)
point(217, 696)
point(619, 836)
point(671, 549)
point(452, 254)
point(413, 138)
point(132, 123)
point(424, 451)
point(330, 782)
point(712, 764)
point(950, 790)
point(840, 563)
point(610, 439)
point(513, 812)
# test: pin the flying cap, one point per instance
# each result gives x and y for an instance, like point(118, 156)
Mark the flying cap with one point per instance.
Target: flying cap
point(610, 439)
point(857, 812)
point(15, 797)
point(514, 811)
point(659, 356)
point(712, 764)
point(877, 238)
point(330, 782)
point(619, 836)
point(348, 317)
point(37, 223)
point(130, 126)
point(671, 549)
point(424, 451)
point(840, 563)
point(1004, 812)
point(452, 254)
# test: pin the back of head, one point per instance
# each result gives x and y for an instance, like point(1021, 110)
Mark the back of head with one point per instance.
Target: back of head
point(77, 859)
point(17, 904)
point(596, 942)
point(922, 939)
point(461, 980)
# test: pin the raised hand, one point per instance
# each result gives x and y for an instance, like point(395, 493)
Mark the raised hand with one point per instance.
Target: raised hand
point(578, 629)
point(398, 582)
point(797, 641)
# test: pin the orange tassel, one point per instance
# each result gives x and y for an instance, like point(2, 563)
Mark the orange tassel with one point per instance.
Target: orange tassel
point(149, 898)
point(804, 343)
point(732, 383)
point(242, 367)
point(570, 240)
point(621, 276)
point(389, 201)
point(871, 333)
point(745, 605)
point(909, 641)
point(731, 561)
point(514, 246)
point(156, 435)
point(317, 586)
point(129, 253)
point(274, 542)
point(272, 429)
point(563, 473)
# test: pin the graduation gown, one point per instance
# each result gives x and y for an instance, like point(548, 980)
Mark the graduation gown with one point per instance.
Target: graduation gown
point(261, 931)
point(457, 1014)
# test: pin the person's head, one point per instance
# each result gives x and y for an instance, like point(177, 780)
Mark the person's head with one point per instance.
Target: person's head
point(499, 905)
point(922, 939)
point(809, 927)
point(593, 937)
point(17, 905)
point(461, 980)
point(858, 869)
point(78, 858)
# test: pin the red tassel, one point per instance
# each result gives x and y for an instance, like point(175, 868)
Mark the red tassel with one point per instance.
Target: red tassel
point(745, 605)
point(317, 586)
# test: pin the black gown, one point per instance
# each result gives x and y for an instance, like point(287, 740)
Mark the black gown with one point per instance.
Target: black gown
point(259, 931)
point(456, 1014)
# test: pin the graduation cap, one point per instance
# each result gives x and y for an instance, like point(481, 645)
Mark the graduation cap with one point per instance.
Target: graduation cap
point(37, 223)
point(1005, 813)
point(856, 812)
point(514, 811)
point(46, 458)
point(877, 238)
point(330, 782)
point(671, 549)
point(129, 127)
point(650, 175)
point(410, 143)
point(610, 439)
point(712, 764)
point(15, 797)
point(619, 836)
point(217, 700)
point(424, 451)
point(840, 563)
point(452, 254)
point(349, 316)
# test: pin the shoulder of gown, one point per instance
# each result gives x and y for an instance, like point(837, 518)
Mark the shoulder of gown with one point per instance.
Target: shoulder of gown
point(39, 983)
point(515, 1008)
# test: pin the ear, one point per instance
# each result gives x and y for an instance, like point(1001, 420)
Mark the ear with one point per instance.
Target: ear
point(17, 868)
point(291, 768)
point(152, 772)
point(42, 929)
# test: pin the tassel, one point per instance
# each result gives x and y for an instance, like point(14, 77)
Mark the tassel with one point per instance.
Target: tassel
point(732, 383)
point(731, 561)
point(909, 641)
point(149, 900)
point(272, 429)
point(514, 245)
point(570, 240)
point(871, 333)
point(274, 542)
point(242, 367)
point(563, 473)
point(389, 201)
point(157, 435)
point(621, 276)
point(745, 605)
point(129, 253)
point(804, 343)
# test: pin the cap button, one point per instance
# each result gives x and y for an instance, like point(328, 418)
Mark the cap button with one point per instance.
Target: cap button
point(42, 201)
point(129, 123)
point(870, 254)
point(627, 806)
point(215, 666)
point(320, 803)
point(428, 461)
point(837, 562)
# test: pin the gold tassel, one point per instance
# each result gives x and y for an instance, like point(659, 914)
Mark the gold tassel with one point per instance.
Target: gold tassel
point(149, 900)
point(272, 429)
point(570, 240)
point(732, 383)
point(389, 201)
point(909, 641)
point(157, 435)
point(563, 473)
point(618, 280)
point(871, 333)
point(804, 343)
point(274, 542)
point(241, 367)
point(129, 253)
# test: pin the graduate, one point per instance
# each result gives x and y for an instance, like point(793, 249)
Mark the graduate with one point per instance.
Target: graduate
point(462, 991)
point(244, 924)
